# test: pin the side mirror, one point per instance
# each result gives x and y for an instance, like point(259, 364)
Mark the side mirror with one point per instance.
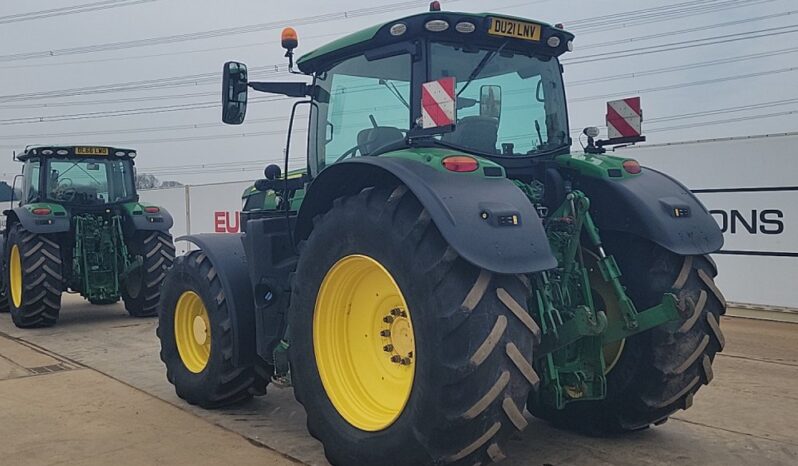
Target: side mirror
point(490, 101)
point(234, 93)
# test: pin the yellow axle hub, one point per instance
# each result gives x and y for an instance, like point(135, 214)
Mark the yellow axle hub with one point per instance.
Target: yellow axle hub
point(363, 342)
point(15, 276)
point(192, 331)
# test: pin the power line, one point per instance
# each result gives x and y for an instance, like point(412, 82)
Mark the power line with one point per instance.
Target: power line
point(714, 112)
point(688, 66)
point(70, 10)
point(687, 84)
point(236, 30)
point(651, 14)
point(686, 44)
point(216, 104)
point(196, 79)
point(659, 14)
point(671, 33)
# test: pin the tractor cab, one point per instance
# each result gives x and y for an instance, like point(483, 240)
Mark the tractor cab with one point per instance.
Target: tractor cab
point(78, 177)
point(483, 84)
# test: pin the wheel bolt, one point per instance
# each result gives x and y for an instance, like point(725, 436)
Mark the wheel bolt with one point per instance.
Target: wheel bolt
point(395, 358)
point(405, 361)
point(396, 311)
point(388, 348)
point(387, 319)
point(385, 333)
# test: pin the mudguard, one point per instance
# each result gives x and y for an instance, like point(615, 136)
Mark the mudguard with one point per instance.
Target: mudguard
point(473, 213)
point(38, 223)
point(226, 253)
point(654, 206)
point(161, 221)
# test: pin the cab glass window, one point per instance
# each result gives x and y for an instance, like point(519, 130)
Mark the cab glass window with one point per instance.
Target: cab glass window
point(514, 104)
point(30, 190)
point(363, 105)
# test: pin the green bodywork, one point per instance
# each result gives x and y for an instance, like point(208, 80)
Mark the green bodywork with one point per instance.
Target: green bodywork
point(364, 36)
point(574, 328)
point(92, 238)
point(100, 257)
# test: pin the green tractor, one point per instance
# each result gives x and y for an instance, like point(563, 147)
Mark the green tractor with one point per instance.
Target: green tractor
point(79, 227)
point(444, 261)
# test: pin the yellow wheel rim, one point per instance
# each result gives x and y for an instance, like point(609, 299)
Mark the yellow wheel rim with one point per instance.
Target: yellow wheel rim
point(15, 276)
point(363, 342)
point(602, 289)
point(192, 331)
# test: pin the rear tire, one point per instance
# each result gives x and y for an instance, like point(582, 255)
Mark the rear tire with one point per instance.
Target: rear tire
point(220, 382)
point(34, 293)
point(659, 371)
point(472, 331)
point(142, 289)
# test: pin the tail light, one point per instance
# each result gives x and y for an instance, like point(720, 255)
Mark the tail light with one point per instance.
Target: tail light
point(460, 163)
point(632, 166)
point(152, 209)
point(41, 211)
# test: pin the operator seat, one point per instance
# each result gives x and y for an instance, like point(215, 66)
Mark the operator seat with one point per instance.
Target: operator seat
point(371, 139)
point(475, 132)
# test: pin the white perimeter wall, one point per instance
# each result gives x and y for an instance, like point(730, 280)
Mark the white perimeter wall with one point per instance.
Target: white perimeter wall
point(759, 260)
point(759, 264)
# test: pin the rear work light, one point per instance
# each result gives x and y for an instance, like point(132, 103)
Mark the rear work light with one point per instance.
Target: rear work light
point(632, 166)
point(152, 209)
point(41, 211)
point(460, 163)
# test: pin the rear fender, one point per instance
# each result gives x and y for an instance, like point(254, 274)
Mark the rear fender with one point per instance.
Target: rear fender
point(646, 205)
point(457, 203)
point(140, 220)
point(58, 221)
point(226, 253)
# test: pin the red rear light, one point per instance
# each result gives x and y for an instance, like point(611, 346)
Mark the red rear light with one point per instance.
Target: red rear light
point(435, 6)
point(559, 26)
point(41, 211)
point(632, 166)
point(152, 209)
point(460, 163)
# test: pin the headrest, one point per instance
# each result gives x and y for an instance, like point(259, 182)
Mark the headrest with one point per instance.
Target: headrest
point(371, 139)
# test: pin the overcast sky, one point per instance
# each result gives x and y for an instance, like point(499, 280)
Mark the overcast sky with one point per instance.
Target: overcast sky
point(753, 101)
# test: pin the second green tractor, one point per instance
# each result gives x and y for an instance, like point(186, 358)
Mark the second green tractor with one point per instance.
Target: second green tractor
point(80, 227)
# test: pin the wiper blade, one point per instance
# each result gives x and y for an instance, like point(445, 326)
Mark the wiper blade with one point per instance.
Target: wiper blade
point(481, 65)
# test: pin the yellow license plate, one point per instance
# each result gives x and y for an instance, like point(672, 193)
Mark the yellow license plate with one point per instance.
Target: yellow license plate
point(515, 29)
point(91, 151)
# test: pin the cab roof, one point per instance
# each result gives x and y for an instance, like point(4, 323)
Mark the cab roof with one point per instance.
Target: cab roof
point(76, 151)
point(382, 34)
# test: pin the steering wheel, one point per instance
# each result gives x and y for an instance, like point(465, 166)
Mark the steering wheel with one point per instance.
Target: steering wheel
point(349, 153)
point(66, 193)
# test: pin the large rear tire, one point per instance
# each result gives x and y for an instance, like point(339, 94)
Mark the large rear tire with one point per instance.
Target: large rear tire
point(142, 288)
point(448, 382)
point(657, 372)
point(33, 275)
point(197, 339)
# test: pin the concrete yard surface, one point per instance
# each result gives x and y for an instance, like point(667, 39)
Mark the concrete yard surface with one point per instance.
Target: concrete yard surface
point(77, 415)
point(54, 411)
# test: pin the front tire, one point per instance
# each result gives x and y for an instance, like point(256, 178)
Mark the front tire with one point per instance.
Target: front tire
point(472, 337)
point(197, 339)
point(659, 371)
point(142, 288)
point(33, 275)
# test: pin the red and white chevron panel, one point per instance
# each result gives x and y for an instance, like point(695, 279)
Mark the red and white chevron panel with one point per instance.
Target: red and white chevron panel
point(624, 118)
point(438, 103)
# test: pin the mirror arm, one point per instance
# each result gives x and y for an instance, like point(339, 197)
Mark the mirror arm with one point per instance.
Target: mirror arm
point(287, 89)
